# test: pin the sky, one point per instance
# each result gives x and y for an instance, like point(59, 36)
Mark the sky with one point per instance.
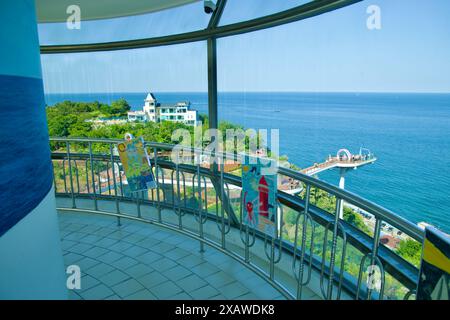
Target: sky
point(333, 52)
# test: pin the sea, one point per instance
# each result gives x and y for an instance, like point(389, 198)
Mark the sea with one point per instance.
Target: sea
point(408, 132)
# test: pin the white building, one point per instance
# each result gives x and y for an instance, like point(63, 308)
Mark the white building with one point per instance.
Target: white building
point(137, 116)
point(179, 112)
point(155, 112)
point(150, 107)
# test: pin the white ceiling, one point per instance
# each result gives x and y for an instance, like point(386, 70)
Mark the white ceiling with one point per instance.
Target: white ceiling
point(55, 10)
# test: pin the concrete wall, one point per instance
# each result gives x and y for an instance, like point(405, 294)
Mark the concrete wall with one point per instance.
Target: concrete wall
point(31, 265)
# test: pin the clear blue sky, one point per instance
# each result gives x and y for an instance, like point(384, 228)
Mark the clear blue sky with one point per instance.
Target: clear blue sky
point(331, 52)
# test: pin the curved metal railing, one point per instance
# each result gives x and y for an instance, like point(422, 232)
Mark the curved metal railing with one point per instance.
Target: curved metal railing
point(316, 241)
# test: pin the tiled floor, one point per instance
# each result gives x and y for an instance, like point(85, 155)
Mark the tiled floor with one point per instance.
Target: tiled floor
point(141, 261)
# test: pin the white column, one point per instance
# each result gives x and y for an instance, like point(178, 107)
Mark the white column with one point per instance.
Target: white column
point(343, 171)
point(342, 178)
point(31, 263)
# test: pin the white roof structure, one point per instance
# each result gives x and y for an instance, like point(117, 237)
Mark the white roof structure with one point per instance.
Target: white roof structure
point(150, 97)
point(55, 11)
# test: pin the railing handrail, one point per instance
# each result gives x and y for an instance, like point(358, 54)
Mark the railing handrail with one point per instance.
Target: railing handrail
point(367, 245)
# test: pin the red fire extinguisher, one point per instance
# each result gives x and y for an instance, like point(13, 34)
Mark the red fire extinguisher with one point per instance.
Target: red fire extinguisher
point(263, 189)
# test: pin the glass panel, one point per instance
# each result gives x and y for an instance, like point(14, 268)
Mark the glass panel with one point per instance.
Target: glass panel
point(106, 77)
point(238, 10)
point(181, 19)
point(91, 94)
point(330, 83)
point(312, 81)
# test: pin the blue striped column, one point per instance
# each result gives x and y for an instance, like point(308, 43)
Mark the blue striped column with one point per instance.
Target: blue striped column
point(31, 264)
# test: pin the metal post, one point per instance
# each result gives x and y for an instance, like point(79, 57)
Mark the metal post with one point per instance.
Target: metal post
point(64, 174)
point(376, 242)
point(178, 208)
point(212, 102)
point(200, 204)
point(303, 245)
point(222, 208)
point(107, 176)
point(247, 246)
point(272, 259)
point(212, 83)
point(158, 206)
point(93, 176)
point(342, 186)
point(70, 174)
point(54, 178)
point(212, 97)
point(87, 177)
point(113, 172)
point(138, 203)
point(333, 248)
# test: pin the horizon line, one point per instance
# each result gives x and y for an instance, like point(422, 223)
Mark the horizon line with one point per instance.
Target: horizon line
point(356, 92)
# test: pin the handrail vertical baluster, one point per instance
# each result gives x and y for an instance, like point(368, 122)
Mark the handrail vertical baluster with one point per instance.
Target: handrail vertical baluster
point(222, 207)
point(334, 248)
point(108, 178)
point(376, 242)
point(303, 248)
point(200, 204)
point(65, 175)
point(77, 176)
point(113, 172)
point(87, 177)
point(54, 177)
point(93, 176)
point(158, 206)
point(70, 175)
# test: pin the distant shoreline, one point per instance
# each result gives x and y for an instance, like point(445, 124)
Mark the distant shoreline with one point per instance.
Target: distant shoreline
point(256, 92)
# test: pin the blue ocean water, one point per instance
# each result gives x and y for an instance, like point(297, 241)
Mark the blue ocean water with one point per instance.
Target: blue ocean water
point(409, 133)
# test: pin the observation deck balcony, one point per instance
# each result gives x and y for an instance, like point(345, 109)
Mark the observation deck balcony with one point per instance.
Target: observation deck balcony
point(141, 260)
point(186, 239)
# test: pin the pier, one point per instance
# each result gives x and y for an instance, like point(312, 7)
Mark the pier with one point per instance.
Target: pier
point(345, 161)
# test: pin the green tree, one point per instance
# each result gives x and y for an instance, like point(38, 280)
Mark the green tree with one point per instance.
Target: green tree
point(120, 107)
point(355, 219)
point(411, 250)
point(290, 217)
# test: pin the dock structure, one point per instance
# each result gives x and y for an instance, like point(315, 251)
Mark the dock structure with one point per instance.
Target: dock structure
point(345, 161)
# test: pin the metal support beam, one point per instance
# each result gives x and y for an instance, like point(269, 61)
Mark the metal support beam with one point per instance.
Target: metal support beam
point(215, 18)
point(225, 202)
point(212, 84)
point(213, 109)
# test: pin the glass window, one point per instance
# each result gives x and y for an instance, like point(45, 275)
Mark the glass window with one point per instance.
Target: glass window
point(106, 77)
point(238, 10)
point(331, 82)
point(181, 19)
